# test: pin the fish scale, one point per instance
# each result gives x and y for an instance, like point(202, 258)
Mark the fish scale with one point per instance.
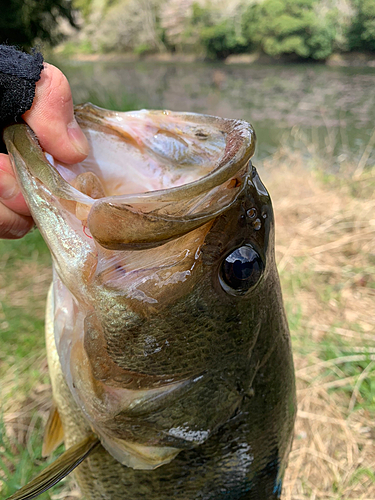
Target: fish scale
point(199, 473)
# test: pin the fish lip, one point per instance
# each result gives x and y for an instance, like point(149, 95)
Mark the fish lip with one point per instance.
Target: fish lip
point(240, 147)
point(137, 228)
point(239, 131)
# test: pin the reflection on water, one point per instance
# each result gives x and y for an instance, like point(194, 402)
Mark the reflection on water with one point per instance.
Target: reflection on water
point(323, 101)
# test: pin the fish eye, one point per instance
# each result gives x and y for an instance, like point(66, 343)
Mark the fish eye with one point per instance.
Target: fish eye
point(241, 270)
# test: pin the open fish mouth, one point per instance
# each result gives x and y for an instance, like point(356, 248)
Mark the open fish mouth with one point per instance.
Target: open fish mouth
point(125, 228)
point(150, 177)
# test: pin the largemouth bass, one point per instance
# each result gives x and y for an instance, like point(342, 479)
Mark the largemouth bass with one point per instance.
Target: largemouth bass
point(165, 328)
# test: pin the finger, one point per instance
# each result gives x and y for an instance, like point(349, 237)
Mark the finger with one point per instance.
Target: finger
point(52, 119)
point(12, 225)
point(10, 193)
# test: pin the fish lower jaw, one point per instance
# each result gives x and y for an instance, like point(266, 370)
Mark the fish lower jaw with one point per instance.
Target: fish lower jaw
point(137, 456)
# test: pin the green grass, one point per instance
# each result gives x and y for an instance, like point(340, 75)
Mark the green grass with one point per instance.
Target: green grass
point(31, 247)
point(19, 463)
point(295, 281)
point(25, 328)
point(25, 274)
point(22, 304)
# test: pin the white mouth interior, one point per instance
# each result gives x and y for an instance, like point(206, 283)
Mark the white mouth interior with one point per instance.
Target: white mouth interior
point(149, 156)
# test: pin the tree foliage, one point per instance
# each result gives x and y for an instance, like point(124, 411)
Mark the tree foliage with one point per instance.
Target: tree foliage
point(362, 32)
point(23, 22)
point(217, 34)
point(304, 29)
point(276, 27)
point(84, 6)
point(289, 27)
point(221, 40)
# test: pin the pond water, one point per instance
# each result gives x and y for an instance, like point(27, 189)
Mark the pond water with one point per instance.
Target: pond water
point(335, 104)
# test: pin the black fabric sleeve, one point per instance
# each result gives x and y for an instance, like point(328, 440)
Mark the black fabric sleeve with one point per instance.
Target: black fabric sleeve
point(19, 73)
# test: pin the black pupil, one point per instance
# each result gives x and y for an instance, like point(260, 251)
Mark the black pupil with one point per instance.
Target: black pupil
point(242, 269)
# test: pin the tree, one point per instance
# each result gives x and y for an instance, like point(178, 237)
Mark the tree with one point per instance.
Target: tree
point(289, 27)
point(362, 33)
point(24, 22)
point(222, 40)
point(218, 30)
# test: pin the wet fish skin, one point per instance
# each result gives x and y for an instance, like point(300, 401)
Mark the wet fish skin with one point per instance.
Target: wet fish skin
point(232, 411)
point(245, 457)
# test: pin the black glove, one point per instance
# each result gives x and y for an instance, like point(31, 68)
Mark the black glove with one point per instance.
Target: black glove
point(19, 73)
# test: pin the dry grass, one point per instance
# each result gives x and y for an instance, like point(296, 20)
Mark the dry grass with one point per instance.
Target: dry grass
point(325, 251)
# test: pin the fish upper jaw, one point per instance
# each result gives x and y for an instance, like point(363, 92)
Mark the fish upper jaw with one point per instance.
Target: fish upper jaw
point(190, 158)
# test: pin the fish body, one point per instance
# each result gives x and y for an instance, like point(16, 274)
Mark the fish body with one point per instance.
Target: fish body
point(165, 328)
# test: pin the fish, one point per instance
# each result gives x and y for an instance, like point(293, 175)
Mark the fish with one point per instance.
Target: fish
point(167, 341)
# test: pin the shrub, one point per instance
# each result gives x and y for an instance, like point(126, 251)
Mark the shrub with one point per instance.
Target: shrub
point(362, 32)
point(221, 40)
point(218, 32)
point(289, 27)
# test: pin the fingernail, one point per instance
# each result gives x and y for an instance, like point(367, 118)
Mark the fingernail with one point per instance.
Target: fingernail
point(78, 138)
point(8, 186)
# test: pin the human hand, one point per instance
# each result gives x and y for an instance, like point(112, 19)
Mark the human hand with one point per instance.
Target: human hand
point(52, 119)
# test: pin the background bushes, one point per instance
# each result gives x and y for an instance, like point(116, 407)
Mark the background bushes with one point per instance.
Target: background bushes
point(280, 27)
point(215, 29)
point(26, 22)
point(362, 30)
point(301, 29)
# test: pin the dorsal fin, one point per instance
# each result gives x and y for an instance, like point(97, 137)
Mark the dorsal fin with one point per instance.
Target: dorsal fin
point(53, 433)
point(59, 469)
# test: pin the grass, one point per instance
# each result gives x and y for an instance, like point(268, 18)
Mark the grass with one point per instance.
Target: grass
point(325, 231)
point(325, 251)
point(25, 393)
point(19, 462)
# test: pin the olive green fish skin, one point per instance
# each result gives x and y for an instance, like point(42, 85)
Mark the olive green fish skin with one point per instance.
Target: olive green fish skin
point(213, 339)
point(245, 458)
point(225, 359)
point(240, 347)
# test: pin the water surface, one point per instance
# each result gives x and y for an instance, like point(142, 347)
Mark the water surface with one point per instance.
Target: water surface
point(329, 104)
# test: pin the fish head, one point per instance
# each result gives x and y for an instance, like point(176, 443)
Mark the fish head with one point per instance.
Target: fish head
point(162, 243)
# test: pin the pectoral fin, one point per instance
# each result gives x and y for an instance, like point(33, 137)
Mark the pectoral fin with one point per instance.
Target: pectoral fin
point(53, 433)
point(59, 469)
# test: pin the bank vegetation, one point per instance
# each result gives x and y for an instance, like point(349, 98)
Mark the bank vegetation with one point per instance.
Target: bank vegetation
point(208, 29)
point(216, 29)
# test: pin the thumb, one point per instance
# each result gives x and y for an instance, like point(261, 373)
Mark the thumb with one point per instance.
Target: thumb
point(52, 119)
